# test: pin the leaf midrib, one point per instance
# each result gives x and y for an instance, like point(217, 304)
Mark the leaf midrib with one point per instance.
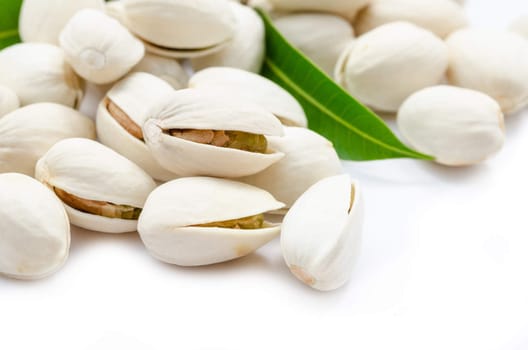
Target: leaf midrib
point(335, 117)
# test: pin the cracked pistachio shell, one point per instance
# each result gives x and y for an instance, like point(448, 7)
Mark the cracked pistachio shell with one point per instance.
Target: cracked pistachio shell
point(246, 50)
point(441, 17)
point(39, 73)
point(493, 62)
point(182, 28)
point(34, 229)
point(192, 109)
point(29, 132)
point(42, 21)
point(457, 126)
point(167, 69)
point(253, 88)
point(135, 96)
point(308, 158)
point(321, 234)
point(168, 224)
point(520, 26)
point(91, 171)
point(386, 65)
point(323, 46)
point(345, 8)
point(99, 48)
point(8, 101)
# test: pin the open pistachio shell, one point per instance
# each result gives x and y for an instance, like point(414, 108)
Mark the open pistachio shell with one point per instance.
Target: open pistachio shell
point(246, 50)
point(345, 8)
point(253, 88)
point(308, 158)
point(182, 28)
point(321, 233)
point(101, 190)
point(29, 132)
point(99, 48)
point(167, 69)
point(34, 229)
point(196, 133)
point(39, 73)
point(8, 101)
point(193, 221)
point(121, 115)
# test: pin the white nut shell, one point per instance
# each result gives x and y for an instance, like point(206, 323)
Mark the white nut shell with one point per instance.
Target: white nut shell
point(34, 229)
point(345, 8)
point(167, 69)
point(8, 101)
point(321, 233)
point(520, 26)
point(166, 224)
point(457, 126)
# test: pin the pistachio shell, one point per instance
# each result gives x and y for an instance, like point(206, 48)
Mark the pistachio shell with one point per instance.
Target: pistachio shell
point(91, 171)
point(167, 69)
point(386, 65)
point(441, 17)
point(253, 88)
point(34, 229)
point(182, 28)
point(168, 228)
point(345, 8)
point(29, 132)
point(116, 10)
point(99, 48)
point(39, 73)
point(42, 21)
point(490, 61)
point(135, 96)
point(191, 109)
point(321, 233)
point(308, 158)
point(466, 130)
point(520, 26)
point(8, 101)
point(323, 46)
point(246, 50)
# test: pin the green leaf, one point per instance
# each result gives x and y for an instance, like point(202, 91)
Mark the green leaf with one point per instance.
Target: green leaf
point(356, 132)
point(9, 10)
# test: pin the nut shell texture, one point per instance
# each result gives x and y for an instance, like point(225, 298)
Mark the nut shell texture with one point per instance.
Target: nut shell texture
point(386, 65)
point(195, 109)
point(166, 224)
point(89, 170)
point(493, 62)
point(39, 73)
point(167, 69)
point(321, 233)
point(29, 132)
point(99, 48)
point(252, 88)
point(8, 101)
point(34, 229)
point(345, 8)
point(457, 126)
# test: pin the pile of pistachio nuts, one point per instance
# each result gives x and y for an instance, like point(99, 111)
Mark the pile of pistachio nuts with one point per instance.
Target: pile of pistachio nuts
point(206, 167)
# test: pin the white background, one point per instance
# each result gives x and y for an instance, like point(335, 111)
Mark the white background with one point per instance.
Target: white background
point(444, 266)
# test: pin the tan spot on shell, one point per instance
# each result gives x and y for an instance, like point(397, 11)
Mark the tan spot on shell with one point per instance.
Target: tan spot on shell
point(243, 250)
point(301, 274)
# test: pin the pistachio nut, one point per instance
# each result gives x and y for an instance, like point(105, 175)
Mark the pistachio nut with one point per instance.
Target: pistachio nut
point(27, 133)
point(167, 69)
point(386, 65)
point(34, 229)
point(442, 17)
point(308, 158)
point(246, 49)
point(99, 48)
point(182, 28)
point(8, 101)
point(323, 46)
point(101, 190)
point(321, 234)
point(490, 61)
point(42, 21)
point(201, 221)
point(457, 126)
point(39, 73)
point(196, 133)
point(253, 88)
point(520, 26)
point(116, 10)
point(121, 115)
point(345, 8)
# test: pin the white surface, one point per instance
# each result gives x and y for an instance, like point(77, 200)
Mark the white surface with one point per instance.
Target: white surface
point(444, 266)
